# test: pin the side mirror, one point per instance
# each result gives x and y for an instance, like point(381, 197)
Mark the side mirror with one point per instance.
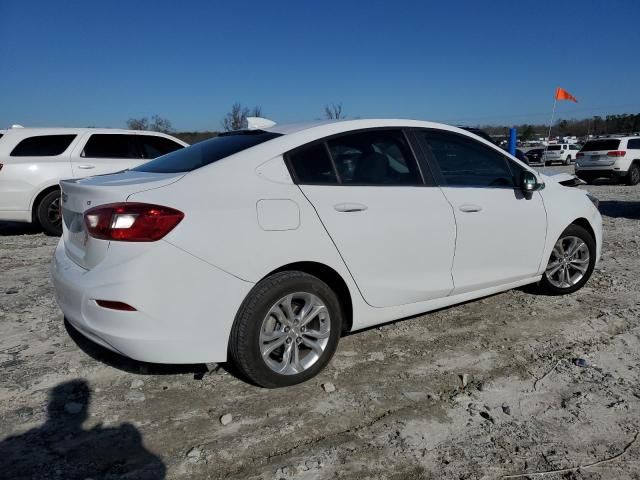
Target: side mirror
point(529, 182)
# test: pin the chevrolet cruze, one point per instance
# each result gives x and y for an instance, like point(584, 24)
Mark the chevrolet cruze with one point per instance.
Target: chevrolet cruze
point(262, 246)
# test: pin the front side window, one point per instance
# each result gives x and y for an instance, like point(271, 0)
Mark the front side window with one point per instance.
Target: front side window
point(109, 145)
point(374, 157)
point(574, 147)
point(153, 146)
point(42, 146)
point(464, 162)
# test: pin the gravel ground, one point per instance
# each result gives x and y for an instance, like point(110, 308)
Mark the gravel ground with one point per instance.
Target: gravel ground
point(488, 389)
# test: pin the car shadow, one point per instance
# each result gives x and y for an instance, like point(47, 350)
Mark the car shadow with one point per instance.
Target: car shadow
point(62, 448)
point(18, 228)
point(620, 209)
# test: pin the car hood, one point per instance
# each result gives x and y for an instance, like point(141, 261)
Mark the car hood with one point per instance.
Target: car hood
point(566, 179)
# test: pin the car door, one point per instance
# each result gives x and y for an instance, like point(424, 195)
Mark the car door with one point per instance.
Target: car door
point(500, 231)
point(103, 153)
point(394, 231)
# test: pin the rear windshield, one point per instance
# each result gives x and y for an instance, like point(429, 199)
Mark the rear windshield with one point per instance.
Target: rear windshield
point(604, 144)
point(206, 152)
point(554, 147)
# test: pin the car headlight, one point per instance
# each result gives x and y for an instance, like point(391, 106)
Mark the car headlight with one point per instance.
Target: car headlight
point(593, 199)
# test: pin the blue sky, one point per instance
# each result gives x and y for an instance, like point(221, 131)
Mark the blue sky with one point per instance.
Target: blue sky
point(98, 63)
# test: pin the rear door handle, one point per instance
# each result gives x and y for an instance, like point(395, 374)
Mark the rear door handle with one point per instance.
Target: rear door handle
point(469, 208)
point(86, 167)
point(350, 207)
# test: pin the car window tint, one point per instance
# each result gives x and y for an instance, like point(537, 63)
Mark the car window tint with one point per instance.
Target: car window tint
point(634, 144)
point(153, 146)
point(311, 164)
point(598, 145)
point(574, 147)
point(465, 162)
point(375, 157)
point(207, 151)
point(109, 145)
point(42, 146)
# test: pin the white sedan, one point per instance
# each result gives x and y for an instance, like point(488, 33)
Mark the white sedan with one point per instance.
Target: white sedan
point(262, 246)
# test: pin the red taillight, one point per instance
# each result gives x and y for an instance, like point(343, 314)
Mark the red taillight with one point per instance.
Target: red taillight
point(616, 153)
point(131, 222)
point(580, 155)
point(113, 305)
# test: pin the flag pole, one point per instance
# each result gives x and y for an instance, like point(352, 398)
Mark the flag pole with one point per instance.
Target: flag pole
point(553, 114)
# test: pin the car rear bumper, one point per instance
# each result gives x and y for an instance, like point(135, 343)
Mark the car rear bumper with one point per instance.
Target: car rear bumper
point(185, 308)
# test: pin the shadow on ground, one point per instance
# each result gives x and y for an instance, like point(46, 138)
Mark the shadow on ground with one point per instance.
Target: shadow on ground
point(62, 448)
point(620, 209)
point(17, 228)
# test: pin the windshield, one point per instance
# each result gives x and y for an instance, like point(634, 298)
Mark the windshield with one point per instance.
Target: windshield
point(604, 144)
point(206, 152)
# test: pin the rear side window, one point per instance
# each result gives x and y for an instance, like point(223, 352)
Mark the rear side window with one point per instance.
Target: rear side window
point(552, 148)
point(604, 144)
point(207, 152)
point(633, 144)
point(375, 157)
point(464, 162)
point(43, 146)
point(311, 165)
point(109, 145)
point(153, 146)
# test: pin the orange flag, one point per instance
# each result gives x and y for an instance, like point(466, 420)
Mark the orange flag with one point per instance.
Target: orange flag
point(562, 94)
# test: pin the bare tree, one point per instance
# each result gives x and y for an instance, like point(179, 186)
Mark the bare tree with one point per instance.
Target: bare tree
point(138, 123)
point(160, 124)
point(237, 117)
point(334, 111)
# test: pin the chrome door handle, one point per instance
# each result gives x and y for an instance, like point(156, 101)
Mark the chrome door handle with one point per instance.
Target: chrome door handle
point(350, 207)
point(469, 208)
point(86, 167)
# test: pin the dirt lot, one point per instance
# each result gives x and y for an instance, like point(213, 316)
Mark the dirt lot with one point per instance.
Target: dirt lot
point(399, 409)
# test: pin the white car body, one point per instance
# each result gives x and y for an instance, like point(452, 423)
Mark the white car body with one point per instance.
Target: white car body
point(25, 179)
point(614, 158)
point(564, 153)
point(398, 251)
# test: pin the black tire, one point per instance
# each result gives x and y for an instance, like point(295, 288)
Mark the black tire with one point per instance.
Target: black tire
point(244, 342)
point(633, 175)
point(48, 214)
point(568, 160)
point(575, 231)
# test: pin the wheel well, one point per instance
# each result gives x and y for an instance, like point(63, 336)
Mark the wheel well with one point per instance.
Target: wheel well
point(584, 223)
point(333, 279)
point(39, 197)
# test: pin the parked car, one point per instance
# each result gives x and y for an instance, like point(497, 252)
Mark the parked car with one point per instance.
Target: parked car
point(534, 156)
point(564, 153)
point(34, 160)
point(261, 247)
point(614, 158)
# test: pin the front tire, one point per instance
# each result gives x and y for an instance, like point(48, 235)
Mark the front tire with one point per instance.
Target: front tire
point(633, 176)
point(49, 214)
point(571, 263)
point(286, 330)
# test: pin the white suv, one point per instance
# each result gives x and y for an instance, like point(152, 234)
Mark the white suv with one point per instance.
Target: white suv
point(563, 153)
point(34, 160)
point(614, 158)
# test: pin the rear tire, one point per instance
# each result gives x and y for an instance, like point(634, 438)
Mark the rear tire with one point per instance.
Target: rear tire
point(573, 253)
point(273, 345)
point(568, 160)
point(49, 215)
point(633, 176)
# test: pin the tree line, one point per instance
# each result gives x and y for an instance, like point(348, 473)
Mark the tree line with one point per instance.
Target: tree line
point(626, 123)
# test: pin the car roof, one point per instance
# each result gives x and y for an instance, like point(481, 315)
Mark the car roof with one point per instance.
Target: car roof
point(328, 127)
point(70, 130)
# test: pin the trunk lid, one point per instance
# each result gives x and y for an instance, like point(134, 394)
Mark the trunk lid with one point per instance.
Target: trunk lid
point(79, 195)
point(595, 152)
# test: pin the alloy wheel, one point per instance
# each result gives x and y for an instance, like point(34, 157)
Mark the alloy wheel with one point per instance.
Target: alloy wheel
point(295, 333)
point(53, 212)
point(568, 263)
